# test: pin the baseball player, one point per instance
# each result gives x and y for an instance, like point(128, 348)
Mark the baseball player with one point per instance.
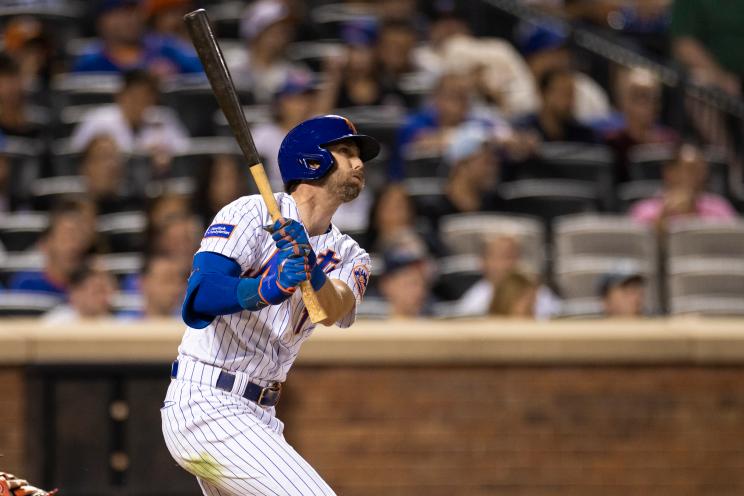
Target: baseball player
point(246, 319)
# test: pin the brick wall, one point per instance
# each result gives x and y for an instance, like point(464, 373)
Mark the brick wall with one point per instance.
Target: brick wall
point(520, 430)
point(12, 419)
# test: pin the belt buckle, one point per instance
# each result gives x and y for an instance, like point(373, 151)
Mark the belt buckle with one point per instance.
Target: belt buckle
point(272, 392)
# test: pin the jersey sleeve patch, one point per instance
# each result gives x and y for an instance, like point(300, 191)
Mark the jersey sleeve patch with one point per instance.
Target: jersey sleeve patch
point(219, 231)
point(361, 277)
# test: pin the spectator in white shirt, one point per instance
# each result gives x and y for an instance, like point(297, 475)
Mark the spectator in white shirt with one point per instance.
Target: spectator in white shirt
point(501, 256)
point(135, 122)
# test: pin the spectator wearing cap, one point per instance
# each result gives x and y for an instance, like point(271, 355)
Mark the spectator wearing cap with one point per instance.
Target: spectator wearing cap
point(555, 121)
point(17, 117)
point(267, 28)
point(355, 77)
point(294, 101)
point(405, 283)
point(124, 45)
point(683, 193)
point(500, 256)
point(135, 123)
point(640, 103)
point(474, 170)
point(26, 40)
point(622, 293)
point(545, 47)
point(165, 18)
point(90, 297)
point(429, 131)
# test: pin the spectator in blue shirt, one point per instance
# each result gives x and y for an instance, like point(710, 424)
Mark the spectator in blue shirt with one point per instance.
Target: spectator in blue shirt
point(429, 130)
point(124, 45)
point(64, 245)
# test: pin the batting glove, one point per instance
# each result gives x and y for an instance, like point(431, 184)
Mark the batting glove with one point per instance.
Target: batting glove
point(290, 234)
point(286, 270)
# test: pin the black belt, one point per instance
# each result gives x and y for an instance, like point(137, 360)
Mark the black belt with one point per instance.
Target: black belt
point(263, 396)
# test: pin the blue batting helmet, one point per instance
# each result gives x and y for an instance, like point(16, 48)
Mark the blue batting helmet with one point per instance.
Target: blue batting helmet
point(303, 155)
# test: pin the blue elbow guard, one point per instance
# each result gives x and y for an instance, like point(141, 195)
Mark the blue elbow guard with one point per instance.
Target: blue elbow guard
point(211, 290)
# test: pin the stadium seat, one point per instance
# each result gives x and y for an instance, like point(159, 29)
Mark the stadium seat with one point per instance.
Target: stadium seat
point(645, 162)
point(313, 54)
point(464, 233)
point(707, 285)
point(425, 192)
point(21, 230)
point(46, 191)
point(632, 191)
point(125, 231)
point(455, 275)
point(26, 303)
point(201, 150)
point(696, 237)
point(603, 235)
point(254, 114)
point(127, 302)
point(13, 262)
point(549, 198)
point(581, 308)
point(25, 159)
point(193, 99)
point(424, 165)
point(71, 89)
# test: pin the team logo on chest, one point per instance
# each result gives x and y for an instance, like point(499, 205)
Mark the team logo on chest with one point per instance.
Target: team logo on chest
point(328, 260)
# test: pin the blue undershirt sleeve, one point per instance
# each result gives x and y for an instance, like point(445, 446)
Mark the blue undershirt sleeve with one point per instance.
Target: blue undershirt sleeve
point(216, 288)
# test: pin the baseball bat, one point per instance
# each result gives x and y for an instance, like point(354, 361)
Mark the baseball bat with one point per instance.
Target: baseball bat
point(222, 85)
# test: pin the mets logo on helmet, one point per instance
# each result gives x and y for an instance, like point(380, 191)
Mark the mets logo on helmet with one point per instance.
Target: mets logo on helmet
point(361, 277)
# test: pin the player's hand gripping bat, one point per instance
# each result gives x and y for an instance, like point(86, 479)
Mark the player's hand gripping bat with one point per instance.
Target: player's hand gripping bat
point(211, 57)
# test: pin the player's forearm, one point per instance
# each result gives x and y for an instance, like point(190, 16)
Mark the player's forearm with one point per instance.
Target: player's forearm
point(336, 299)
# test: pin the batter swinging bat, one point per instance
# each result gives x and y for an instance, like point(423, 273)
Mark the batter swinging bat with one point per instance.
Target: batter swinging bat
point(211, 57)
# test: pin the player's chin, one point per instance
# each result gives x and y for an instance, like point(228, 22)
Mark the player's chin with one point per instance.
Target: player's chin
point(351, 189)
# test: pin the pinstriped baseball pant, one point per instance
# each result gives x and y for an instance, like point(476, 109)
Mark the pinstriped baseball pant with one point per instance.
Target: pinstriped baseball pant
point(216, 436)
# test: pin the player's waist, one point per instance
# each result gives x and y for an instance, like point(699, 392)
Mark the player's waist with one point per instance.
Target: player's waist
point(262, 393)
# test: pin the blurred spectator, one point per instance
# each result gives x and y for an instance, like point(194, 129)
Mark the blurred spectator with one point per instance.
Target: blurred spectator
point(555, 120)
point(622, 293)
point(393, 217)
point(293, 102)
point(405, 283)
point(165, 18)
point(640, 102)
point(166, 206)
point(177, 237)
point(102, 169)
point(5, 176)
point(64, 245)
point(223, 180)
point(125, 46)
point(267, 28)
point(358, 77)
point(163, 287)
point(136, 123)
point(514, 296)
point(16, 117)
point(707, 39)
point(90, 295)
point(27, 42)
point(446, 22)
point(683, 192)
point(394, 55)
point(429, 131)
point(474, 174)
point(500, 257)
point(545, 48)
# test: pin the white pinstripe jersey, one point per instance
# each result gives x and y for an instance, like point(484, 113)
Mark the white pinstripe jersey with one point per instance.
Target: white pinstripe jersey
point(265, 343)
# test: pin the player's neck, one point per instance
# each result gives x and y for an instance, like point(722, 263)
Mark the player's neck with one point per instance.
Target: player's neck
point(315, 207)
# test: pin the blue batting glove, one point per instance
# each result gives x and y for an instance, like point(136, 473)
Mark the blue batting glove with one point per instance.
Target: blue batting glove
point(285, 272)
point(288, 231)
